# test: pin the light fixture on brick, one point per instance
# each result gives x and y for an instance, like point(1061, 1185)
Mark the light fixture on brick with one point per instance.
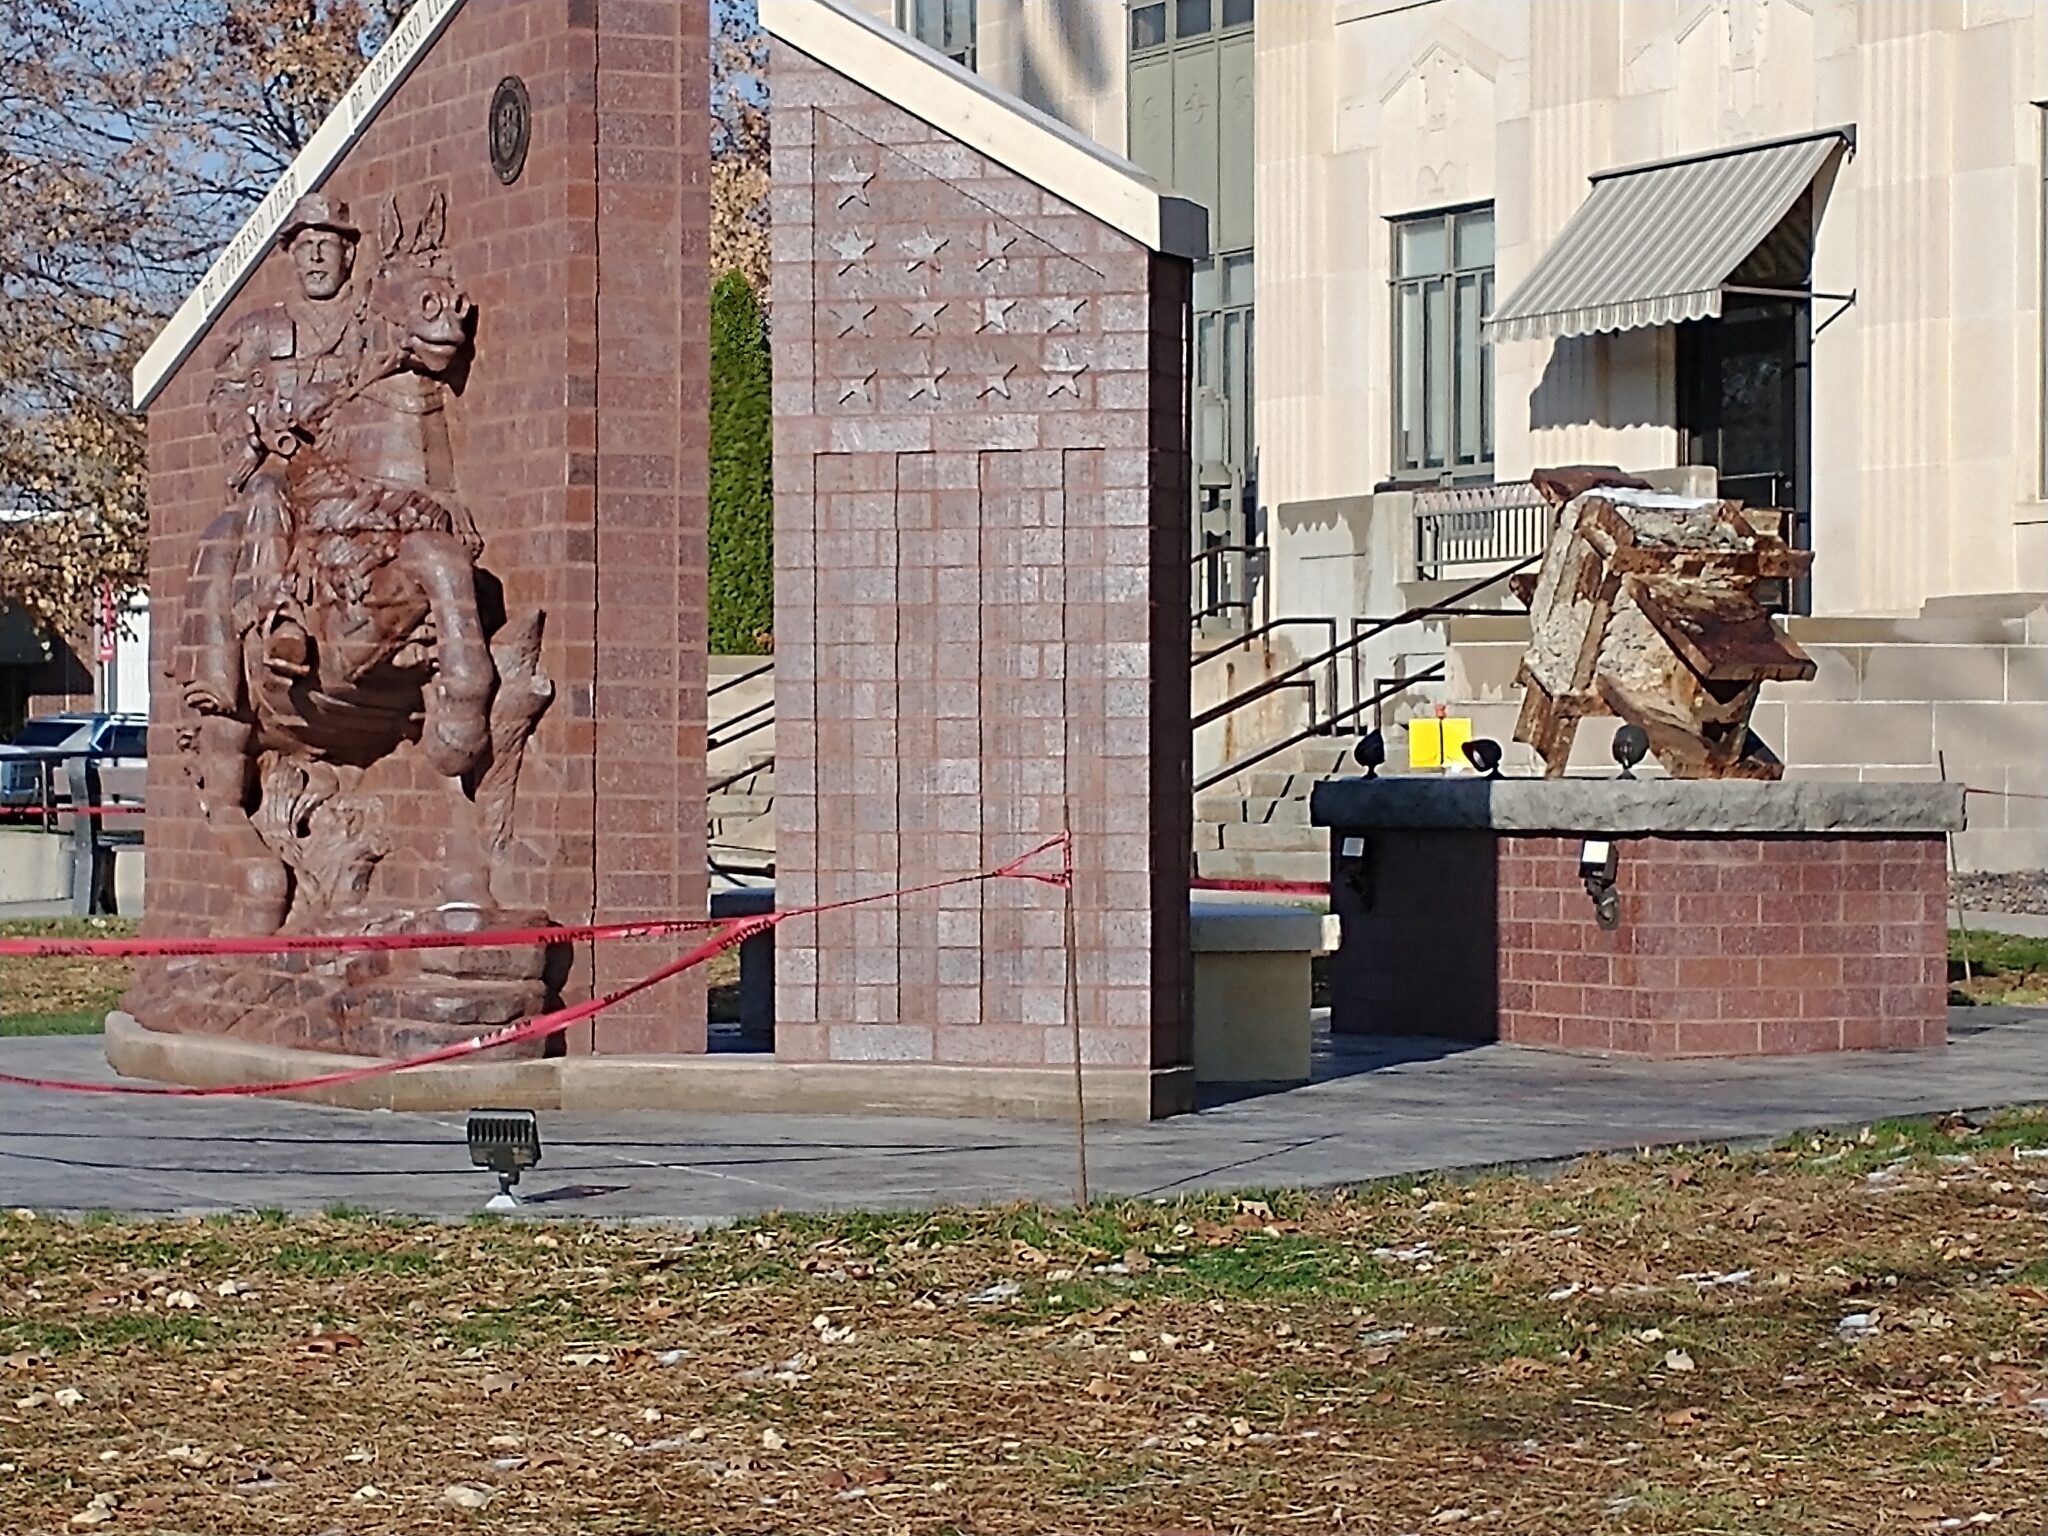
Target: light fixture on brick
point(1631, 746)
point(1483, 753)
point(1599, 865)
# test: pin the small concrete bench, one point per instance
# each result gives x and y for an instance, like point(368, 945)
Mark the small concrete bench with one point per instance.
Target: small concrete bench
point(1252, 983)
point(1254, 989)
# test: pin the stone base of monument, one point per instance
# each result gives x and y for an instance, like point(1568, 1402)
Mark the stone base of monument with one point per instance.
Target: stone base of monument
point(736, 1084)
point(379, 1004)
point(1655, 918)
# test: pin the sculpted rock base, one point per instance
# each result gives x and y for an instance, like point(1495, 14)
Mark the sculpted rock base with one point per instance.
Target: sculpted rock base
point(394, 1003)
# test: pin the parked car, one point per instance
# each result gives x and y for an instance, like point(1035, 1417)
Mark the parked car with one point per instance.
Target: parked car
point(120, 743)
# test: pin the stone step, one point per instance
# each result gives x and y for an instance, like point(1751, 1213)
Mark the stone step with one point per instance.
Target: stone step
point(1259, 811)
point(758, 834)
point(727, 805)
point(1273, 837)
point(1239, 864)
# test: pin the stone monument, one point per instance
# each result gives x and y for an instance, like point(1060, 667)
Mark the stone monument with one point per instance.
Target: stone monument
point(337, 616)
point(1648, 607)
point(1719, 911)
point(427, 455)
point(981, 638)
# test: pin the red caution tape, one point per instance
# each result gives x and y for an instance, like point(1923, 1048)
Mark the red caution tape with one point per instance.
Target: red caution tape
point(326, 944)
point(1263, 887)
point(730, 932)
point(98, 811)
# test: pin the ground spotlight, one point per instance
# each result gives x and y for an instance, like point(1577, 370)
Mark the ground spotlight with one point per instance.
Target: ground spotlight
point(506, 1141)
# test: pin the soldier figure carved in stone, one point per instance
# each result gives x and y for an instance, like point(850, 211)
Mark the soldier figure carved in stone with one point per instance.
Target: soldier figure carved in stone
point(279, 370)
point(335, 617)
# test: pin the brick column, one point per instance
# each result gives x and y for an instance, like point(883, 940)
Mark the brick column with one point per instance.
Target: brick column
point(652, 426)
point(981, 597)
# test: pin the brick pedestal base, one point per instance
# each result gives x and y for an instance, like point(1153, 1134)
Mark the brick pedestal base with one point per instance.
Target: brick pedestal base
point(1728, 944)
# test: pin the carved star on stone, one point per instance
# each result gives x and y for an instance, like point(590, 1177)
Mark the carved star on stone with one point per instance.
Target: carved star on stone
point(995, 246)
point(853, 319)
point(998, 383)
point(857, 389)
point(924, 318)
point(927, 386)
point(1063, 374)
point(922, 248)
point(850, 246)
point(995, 314)
point(852, 182)
point(1063, 314)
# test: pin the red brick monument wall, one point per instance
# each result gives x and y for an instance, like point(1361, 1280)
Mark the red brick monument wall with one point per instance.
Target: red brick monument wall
point(1761, 918)
point(579, 445)
point(981, 598)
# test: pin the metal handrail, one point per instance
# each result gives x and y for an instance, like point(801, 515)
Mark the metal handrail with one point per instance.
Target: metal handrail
point(739, 773)
point(1360, 622)
point(1412, 616)
point(1271, 749)
point(744, 677)
point(1274, 626)
point(712, 744)
point(1271, 626)
point(1258, 563)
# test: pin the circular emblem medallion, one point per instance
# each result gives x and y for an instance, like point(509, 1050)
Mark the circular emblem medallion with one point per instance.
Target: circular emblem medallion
point(511, 128)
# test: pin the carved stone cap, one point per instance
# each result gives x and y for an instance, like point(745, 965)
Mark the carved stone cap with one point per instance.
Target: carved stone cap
point(1643, 807)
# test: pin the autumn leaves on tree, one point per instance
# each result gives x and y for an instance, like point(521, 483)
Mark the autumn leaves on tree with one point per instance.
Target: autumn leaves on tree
point(135, 137)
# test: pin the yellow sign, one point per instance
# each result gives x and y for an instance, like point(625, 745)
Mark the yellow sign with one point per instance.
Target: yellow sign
point(1438, 744)
point(1425, 744)
point(1457, 730)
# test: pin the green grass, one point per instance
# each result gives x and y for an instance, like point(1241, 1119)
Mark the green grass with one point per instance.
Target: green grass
point(155, 1332)
point(2002, 952)
point(18, 1024)
point(1997, 968)
point(61, 994)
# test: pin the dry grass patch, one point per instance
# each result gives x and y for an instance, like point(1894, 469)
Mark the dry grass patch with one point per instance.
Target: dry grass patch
point(1842, 1336)
point(65, 994)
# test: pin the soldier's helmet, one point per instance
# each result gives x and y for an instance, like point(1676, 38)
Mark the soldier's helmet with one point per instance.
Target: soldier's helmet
point(314, 211)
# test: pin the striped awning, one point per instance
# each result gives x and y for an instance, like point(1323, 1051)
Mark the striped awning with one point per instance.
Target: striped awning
point(1654, 244)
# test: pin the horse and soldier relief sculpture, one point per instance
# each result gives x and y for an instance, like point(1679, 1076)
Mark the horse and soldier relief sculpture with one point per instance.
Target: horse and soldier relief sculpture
point(352, 686)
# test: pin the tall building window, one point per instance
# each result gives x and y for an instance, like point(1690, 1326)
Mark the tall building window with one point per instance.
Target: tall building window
point(1443, 371)
point(1191, 128)
point(944, 25)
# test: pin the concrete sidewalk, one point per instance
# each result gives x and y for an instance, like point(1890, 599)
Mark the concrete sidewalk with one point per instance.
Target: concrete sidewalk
point(1376, 1110)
